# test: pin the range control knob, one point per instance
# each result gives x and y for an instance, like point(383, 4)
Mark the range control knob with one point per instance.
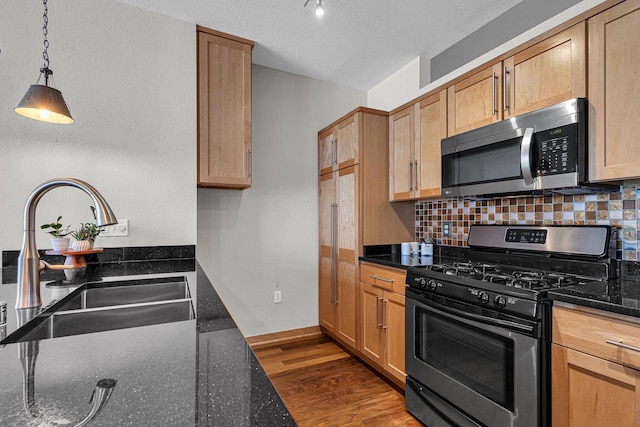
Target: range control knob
point(483, 297)
point(500, 301)
point(423, 282)
point(433, 285)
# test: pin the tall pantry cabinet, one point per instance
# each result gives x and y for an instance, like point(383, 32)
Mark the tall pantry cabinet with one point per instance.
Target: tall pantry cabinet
point(354, 211)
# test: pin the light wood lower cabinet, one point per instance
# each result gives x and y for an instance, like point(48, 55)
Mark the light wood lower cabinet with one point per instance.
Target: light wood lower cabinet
point(595, 380)
point(338, 256)
point(382, 320)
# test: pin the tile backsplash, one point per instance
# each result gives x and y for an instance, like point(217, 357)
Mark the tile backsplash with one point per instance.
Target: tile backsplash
point(618, 209)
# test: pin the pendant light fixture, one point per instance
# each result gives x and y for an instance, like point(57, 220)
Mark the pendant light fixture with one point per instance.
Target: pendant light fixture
point(43, 102)
point(319, 8)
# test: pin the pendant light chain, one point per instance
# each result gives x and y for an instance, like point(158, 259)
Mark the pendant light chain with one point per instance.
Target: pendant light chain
point(45, 54)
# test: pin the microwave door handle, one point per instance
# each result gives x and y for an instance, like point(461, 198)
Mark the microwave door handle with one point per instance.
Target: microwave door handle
point(525, 156)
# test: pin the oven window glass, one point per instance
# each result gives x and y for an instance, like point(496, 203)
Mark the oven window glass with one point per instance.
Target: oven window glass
point(474, 357)
point(494, 162)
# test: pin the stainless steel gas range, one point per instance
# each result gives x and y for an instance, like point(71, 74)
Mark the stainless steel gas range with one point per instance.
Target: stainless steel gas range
point(478, 329)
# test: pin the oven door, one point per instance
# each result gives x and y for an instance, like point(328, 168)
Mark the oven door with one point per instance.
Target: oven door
point(465, 369)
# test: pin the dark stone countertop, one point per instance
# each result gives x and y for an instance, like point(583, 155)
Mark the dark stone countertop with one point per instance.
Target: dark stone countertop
point(620, 296)
point(192, 372)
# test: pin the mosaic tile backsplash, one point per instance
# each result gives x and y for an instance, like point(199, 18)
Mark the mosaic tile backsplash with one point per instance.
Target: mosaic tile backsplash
point(618, 209)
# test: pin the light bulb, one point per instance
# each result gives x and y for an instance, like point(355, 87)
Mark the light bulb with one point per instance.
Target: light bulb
point(319, 9)
point(43, 113)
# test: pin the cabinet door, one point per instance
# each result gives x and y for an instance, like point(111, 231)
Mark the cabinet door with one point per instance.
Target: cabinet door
point(432, 128)
point(394, 334)
point(402, 162)
point(347, 153)
point(371, 316)
point(328, 228)
point(549, 72)
point(224, 112)
point(589, 391)
point(326, 151)
point(475, 101)
point(347, 263)
point(614, 92)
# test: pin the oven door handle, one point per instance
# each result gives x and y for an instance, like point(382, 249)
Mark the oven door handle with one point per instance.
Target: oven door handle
point(449, 311)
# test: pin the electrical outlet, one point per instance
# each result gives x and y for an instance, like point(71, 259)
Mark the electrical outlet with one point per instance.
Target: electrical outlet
point(446, 228)
point(121, 229)
point(277, 296)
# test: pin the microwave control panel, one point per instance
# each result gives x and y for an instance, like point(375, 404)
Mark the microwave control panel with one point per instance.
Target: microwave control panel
point(557, 150)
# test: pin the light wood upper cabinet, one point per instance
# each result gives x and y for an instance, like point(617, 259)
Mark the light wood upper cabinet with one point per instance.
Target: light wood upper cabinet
point(432, 128)
point(415, 134)
point(548, 72)
point(338, 146)
point(614, 92)
point(402, 161)
point(224, 110)
point(594, 381)
point(475, 101)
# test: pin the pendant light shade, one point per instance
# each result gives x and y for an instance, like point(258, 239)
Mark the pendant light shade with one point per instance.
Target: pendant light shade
point(46, 104)
point(43, 102)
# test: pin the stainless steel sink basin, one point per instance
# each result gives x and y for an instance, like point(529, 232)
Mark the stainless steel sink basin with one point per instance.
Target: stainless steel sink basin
point(105, 306)
point(119, 293)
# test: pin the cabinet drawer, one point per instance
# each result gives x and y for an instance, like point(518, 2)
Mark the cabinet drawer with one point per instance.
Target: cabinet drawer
point(383, 277)
point(599, 335)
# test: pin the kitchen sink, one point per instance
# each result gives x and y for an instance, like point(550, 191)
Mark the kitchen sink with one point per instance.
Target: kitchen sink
point(105, 306)
point(119, 293)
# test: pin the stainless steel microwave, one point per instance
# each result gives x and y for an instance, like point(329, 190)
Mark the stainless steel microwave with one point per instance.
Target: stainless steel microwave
point(541, 150)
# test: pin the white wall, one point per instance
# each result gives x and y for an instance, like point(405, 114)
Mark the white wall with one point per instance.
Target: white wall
point(129, 78)
point(404, 84)
point(265, 238)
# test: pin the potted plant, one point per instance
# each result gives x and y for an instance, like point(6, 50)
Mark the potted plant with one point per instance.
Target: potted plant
point(85, 236)
point(59, 241)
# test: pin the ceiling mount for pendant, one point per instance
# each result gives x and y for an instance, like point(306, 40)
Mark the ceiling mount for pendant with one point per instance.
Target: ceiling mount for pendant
point(43, 102)
point(319, 8)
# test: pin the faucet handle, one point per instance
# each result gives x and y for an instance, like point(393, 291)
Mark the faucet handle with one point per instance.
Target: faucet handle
point(44, 265)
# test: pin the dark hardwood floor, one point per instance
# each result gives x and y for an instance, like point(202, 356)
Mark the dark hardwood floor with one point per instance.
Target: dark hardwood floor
point(324, 386)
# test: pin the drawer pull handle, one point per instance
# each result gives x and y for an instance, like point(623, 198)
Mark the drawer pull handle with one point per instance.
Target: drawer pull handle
point(623, 345)
point(381, 278)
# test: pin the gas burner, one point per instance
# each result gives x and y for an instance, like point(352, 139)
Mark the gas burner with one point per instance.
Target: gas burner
point(436, 267)
point(499, 278)
point(529, 281)
point(559, 280)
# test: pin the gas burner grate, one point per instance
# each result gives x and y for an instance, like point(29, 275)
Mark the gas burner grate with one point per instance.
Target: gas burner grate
point(505, 275)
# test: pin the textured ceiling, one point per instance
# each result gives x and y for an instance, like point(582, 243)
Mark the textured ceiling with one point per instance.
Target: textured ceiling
point(357, 43)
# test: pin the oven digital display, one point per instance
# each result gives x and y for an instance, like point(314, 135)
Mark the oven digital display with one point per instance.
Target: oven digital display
point(518, 235)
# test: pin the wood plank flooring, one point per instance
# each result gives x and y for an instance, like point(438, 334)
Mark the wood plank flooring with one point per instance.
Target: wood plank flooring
point(324, 386)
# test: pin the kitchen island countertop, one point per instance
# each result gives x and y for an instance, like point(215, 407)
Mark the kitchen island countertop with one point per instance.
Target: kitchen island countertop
point(190, 372)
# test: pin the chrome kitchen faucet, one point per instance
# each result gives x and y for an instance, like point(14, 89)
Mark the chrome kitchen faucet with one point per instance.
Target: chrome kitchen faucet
point(29, 264)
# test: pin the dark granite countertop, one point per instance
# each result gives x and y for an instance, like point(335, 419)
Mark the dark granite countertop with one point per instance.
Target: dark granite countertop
point(389, 255)
point(191, 372)
point(621, 296)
